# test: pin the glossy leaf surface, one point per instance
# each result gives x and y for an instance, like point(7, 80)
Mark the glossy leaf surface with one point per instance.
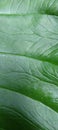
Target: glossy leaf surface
point(29, 64)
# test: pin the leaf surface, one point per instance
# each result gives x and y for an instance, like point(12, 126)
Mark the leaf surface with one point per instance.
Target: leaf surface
point(29, 64)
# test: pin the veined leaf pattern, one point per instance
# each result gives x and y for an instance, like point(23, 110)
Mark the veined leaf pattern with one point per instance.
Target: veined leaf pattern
point(29, 64)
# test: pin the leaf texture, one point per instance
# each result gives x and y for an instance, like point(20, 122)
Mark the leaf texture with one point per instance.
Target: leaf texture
point(29, 64)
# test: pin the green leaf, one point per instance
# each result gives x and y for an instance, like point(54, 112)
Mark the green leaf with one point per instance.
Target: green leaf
point(29, 64)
